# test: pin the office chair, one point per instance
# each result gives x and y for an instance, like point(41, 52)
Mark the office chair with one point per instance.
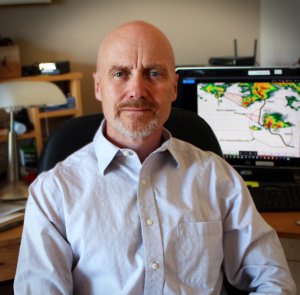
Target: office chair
point(77, 132)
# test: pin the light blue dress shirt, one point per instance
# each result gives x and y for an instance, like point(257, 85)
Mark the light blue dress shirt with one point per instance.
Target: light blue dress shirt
point(101, 222)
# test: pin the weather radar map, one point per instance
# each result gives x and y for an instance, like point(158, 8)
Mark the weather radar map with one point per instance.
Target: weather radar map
point(253, 116)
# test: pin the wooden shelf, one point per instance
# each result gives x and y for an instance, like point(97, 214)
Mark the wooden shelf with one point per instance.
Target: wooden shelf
point(59, 113)
point(52, 78)
point(27, 135)
point(38, 116)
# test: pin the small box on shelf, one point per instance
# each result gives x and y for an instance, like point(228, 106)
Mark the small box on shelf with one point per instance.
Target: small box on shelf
point(70, 104)
point(28, 163)
point(3, 131)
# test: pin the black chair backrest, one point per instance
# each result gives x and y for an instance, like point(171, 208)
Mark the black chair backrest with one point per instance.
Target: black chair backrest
point(79, 131)
point(188, 126)
point(67, 138)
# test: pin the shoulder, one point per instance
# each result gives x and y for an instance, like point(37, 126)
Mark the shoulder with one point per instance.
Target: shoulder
point(72, 167)
point(188, 155)
point(191, 152)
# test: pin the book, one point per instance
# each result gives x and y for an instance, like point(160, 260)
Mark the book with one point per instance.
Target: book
point(11, 220)
point(11, 214)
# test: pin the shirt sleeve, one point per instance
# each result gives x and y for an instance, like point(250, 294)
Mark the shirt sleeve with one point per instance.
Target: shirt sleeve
point(45, 257)
point(253, 256)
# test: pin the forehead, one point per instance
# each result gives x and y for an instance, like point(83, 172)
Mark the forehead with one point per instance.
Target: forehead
point(134, 48)
point(135, 54)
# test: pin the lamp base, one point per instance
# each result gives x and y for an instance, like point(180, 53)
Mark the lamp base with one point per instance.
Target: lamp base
point(13, 191)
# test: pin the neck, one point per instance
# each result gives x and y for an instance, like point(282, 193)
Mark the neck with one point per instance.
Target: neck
point(142, 146)
point(145, 147)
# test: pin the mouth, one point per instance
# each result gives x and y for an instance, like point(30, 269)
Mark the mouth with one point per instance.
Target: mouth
point(137, 107)
point(136, 110)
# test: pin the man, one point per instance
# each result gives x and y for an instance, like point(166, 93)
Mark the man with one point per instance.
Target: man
point(137, 211)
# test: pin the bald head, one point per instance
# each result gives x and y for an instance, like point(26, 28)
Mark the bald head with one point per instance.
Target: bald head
point(137, 35)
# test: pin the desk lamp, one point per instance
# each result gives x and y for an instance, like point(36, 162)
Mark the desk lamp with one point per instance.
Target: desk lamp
point(13, 97)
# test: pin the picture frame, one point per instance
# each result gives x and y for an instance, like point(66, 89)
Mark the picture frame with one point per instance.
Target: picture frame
point(10, 64)
point(22, 2)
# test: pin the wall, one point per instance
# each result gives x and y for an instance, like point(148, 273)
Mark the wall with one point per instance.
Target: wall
point(280, 32)
point(72, 29)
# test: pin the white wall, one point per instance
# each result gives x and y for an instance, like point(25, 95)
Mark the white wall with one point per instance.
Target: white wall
point(280, 32)
point(72, 29)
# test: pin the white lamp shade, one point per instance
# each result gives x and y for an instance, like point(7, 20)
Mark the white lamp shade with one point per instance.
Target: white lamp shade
point(30, 93)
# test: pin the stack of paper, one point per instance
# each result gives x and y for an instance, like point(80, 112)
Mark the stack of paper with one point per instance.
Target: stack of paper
point(11, 214)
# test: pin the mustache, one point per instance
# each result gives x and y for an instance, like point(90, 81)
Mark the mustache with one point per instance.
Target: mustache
point(138, 103)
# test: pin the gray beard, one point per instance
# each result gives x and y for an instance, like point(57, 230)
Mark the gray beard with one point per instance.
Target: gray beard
point(138, 132)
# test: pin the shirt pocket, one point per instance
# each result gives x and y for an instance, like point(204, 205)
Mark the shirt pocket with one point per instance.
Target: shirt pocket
point(199, 253)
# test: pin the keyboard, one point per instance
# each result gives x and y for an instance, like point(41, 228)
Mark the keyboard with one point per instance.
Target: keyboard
point(276, 197)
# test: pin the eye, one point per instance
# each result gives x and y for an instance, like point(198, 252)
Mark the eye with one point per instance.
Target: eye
point(157, 73)
point(119, 74)
point(154, 73)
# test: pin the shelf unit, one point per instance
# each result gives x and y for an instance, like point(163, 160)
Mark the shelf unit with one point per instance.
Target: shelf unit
point(39, 117)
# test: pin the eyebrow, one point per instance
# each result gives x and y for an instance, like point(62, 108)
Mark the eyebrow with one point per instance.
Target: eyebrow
point(157, 67)
point(147, 67)
point(117, 67)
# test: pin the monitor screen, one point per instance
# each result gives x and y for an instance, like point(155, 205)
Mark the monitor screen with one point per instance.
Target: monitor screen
point(254, 112)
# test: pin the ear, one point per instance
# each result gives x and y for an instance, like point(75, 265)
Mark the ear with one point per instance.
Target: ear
point(175, 87)
point(97, 86)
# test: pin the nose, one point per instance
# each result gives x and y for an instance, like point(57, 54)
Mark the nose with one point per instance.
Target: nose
point(138, 87)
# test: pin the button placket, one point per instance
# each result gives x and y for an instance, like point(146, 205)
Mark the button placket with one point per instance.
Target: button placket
point(152, 239)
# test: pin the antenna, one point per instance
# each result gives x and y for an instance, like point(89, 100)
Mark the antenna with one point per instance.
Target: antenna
point(254, 51)
point(235, 52)
point(235, 60)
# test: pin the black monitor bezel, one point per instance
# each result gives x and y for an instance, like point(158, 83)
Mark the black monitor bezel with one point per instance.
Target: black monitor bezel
point(239, 74)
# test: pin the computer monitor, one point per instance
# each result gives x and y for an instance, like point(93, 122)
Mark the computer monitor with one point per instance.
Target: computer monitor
point(254, 112)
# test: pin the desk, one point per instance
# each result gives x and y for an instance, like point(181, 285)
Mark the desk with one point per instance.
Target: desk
point(9, 250)
point(283, 222)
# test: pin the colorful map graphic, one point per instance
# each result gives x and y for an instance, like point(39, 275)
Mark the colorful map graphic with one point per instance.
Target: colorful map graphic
point(261, 115)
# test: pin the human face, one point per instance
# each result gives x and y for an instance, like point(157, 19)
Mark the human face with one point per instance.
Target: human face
point(136, 83)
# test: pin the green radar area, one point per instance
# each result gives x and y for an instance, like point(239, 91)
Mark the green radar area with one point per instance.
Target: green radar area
point(275, 121)
point(254, 92)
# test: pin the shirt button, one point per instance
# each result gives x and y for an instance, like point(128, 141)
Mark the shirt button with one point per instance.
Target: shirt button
point(149, 221)
point(126, 153)
point(144, 181)
point(155, 266)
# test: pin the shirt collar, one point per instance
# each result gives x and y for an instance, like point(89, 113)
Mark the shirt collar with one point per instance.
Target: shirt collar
point(106, 150)
point(169, 144)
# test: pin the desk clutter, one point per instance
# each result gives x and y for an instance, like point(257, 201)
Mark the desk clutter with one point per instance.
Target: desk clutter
point(11, 214)
point(278, 197)
point(32, 127)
